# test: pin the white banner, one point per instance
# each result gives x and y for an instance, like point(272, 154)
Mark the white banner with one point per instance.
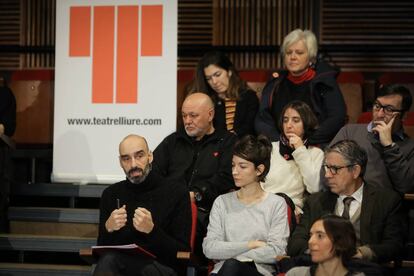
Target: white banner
point(115, 74)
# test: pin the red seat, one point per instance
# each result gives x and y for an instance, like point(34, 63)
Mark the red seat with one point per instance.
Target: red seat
point(396, 77)
point(290, 211)
point(365, 118)
point(192, 261)
point(350, 84)
point(409, 119)
point(193, 224)
point(350, 77)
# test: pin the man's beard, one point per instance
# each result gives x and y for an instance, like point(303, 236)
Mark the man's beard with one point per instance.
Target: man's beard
point(140, 178)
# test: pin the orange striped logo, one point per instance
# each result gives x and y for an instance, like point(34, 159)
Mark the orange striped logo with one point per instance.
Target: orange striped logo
point(104, 45)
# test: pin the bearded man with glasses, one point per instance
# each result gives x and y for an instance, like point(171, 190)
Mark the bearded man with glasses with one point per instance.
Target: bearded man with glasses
point(375, 213)
point(390, 151)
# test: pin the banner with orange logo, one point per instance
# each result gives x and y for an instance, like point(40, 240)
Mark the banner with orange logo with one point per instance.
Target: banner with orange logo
point(115, 74)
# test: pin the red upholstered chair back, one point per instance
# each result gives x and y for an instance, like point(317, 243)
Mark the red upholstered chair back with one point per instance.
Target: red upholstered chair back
point(193, 224)
point(350, 84)
point(409, 119)
point(365, 118)
point(290, 211)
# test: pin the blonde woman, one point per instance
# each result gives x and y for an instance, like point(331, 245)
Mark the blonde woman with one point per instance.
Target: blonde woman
point(305, 79)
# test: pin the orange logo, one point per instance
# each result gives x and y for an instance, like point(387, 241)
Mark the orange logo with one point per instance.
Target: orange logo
point(103, 46)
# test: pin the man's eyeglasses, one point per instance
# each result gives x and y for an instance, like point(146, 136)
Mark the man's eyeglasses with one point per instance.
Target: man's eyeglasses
point(388, 109)
point(335, 169)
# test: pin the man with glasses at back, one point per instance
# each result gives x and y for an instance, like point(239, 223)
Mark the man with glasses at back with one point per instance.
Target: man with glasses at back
point(375, 213)
point(390, 151)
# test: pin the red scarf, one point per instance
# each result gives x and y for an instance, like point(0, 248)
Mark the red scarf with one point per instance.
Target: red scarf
point(308, 75)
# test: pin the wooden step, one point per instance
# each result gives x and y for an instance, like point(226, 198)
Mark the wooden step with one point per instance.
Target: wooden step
point(58, 189)
point(44, 243)
point(18, 269)
point(54, 228)
point(54, 221)
point(49, 214)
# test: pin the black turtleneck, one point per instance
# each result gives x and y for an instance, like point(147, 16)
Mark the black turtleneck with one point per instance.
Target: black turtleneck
point(169, 205)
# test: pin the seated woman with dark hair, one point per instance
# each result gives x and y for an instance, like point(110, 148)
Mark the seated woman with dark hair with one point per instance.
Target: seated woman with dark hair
point(248, 228)
point(236, 104)
point(295, 165)
point(332, 244)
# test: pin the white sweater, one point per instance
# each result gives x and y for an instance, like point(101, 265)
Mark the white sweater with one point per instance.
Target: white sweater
point(294, 176)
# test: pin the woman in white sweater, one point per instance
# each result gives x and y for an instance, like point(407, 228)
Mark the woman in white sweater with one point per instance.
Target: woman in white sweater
point(248, 228)
point(295, 165)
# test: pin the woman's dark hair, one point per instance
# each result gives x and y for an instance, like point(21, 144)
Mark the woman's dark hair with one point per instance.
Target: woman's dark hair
point(341, 232)
point(310, 122)
point(218, 59)
point(256, 150)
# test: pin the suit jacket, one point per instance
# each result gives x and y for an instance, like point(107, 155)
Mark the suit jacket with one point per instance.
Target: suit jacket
point(382, 222)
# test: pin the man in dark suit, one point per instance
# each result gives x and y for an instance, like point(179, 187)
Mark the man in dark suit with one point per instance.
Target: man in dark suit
point(376, 214)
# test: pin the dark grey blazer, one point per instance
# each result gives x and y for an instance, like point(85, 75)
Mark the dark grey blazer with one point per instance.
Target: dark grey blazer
point(383, 223)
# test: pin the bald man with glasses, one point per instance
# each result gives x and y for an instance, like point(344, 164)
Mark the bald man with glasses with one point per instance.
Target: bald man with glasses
point(376, 214)
point(390, 151)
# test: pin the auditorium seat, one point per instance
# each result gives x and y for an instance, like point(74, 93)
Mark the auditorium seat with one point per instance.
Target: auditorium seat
point(365, 118)
point(350, 84)
point(409, 124)
point(34, 94)
point(256, 79)
point(409, 119)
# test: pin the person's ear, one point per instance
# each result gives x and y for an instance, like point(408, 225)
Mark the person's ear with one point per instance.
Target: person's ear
point(230, 73)
point(260, 169)
point(356, 171)
point(211, 114)
point(150, 157)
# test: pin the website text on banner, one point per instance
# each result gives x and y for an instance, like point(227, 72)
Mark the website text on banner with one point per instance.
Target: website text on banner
point(110, 58)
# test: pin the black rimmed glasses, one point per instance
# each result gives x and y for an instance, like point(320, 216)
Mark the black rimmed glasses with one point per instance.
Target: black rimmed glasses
point(388, 109)
point(335, 169)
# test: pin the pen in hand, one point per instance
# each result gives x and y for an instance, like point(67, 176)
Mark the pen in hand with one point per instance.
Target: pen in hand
point(117, 219)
